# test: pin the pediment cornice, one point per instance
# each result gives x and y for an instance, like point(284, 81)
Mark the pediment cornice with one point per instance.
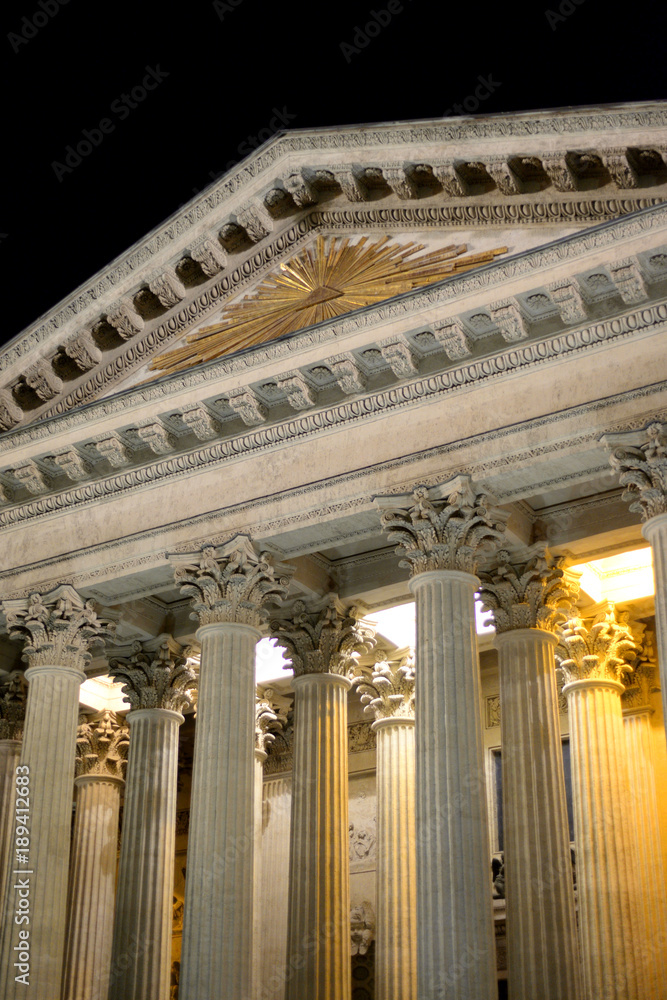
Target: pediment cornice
point(575, 166)
point(597, 288)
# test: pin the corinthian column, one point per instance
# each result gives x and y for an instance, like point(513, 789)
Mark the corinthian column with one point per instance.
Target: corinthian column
point(321, 639)
point(229, 584)
point(58, 629)
point(390, 697)
point(101, 752)
point(640, 457)
point(158, 685)
point(265, 720)
point(12, 717)
point(637, 712)
point(525, 601)
point(440, 532)
point(593, 661)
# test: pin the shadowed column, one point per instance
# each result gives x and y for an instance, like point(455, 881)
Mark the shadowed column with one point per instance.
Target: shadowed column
point(159, 685)
point(229, 584)
point(525, 600)
point(321, 639)
point(440, 532)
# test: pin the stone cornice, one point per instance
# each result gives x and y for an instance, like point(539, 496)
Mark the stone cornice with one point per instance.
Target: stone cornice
point(604, 152)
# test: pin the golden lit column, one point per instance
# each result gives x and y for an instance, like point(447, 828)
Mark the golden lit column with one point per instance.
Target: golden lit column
point(321, 639)
point(440, 532)
point(229, 585)
point(640, 458)
point(637, 712)
point(12, 719)
point(525, 601)
point(101, 752)
point(592, 658)
point(390, 697)
point(159, 685)
point(58, 629)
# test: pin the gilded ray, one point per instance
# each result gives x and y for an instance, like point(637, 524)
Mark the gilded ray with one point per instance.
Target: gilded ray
point(320, 283)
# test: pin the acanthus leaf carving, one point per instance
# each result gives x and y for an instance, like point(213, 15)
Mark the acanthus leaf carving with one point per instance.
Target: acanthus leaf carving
point(390, 691)
point(156, 675)
point(231, 582)
point(83, 351)
point(42, 378)
point(533, 594)
point(456, 343)
point(642, 470)
point(210, 256)
point(443, 528)
point(58, 628)
point(125, 319)
point(102, 745)
point(599, 648)
point(321, 636)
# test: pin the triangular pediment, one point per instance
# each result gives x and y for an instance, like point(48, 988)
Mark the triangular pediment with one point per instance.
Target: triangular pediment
point(520, 181)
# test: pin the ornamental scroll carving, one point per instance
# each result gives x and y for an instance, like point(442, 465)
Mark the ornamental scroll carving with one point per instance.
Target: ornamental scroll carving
point(57, 628)
point(642, 470)
point(442, 528)
point(535, 594)
point(156, 675)
point(321, 637)
point(231, 582)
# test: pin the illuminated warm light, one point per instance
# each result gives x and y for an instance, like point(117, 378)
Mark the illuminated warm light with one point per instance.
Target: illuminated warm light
point(100, 693)
point(270, 661)
point(399, 626)
point(620, 578)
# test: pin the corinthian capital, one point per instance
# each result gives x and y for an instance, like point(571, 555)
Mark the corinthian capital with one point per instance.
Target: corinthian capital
point(102, 743)
point(443, 527)
point(156, 675)
point(13, 691)
point(390, 693)
point(58, 628)
point(231, 582)
point(534, 594)
point(322, 637)
point(601, 648)
point(642, 468)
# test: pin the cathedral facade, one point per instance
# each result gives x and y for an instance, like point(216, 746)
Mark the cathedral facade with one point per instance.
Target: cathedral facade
point(391, 399)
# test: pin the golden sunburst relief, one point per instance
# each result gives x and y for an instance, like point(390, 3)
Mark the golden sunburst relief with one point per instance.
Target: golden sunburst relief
point(321, 283)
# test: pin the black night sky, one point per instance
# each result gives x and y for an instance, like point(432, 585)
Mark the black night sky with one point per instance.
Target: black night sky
point(172, 96)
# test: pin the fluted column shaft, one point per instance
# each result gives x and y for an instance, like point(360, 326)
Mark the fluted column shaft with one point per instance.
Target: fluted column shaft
point(260, 757)
point(608, 886)
point(217, 951)
point(456, 944)
point(92, 888)
point(652, 951)
point(538, 868)
point(318, 944)
point(48, 751)
point(10, 753)
point(396, 906)
point(655, 531)
point(141, 956)
point(275, 887)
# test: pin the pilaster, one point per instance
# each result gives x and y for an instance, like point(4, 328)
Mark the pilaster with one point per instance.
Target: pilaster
point(58, 629)
point(159, 686)
point(229, 585)
point(321, 638)
point(440, 533)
